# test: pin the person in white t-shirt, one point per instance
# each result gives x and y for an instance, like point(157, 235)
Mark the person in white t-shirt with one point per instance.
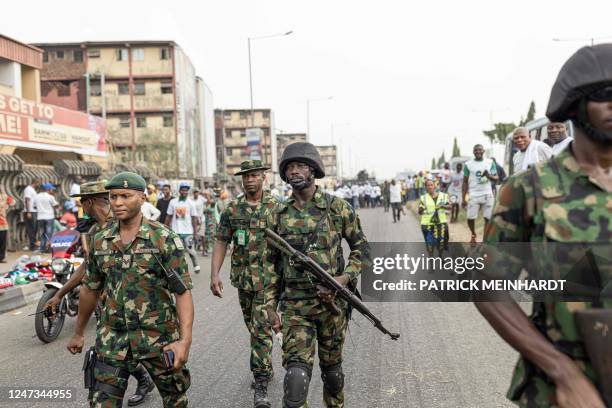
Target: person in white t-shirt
point(199, 201)
point(455, 191)
point(445, 178)
point(557, 136)
point(183, 219)
point(377, 194)
point(29, 198)
point(477, 177)
point(355, 196)
point(46, 204)
point(149, 211)
point(530, 151)
point(395, 196)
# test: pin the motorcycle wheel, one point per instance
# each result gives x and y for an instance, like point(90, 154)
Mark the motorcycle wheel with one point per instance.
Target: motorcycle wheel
point(49, 327)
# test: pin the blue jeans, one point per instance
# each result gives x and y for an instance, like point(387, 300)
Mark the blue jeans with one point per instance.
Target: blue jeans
point(45, 227)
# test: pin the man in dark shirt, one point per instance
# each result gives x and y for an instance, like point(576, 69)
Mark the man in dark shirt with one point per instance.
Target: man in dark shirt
point(164, 202)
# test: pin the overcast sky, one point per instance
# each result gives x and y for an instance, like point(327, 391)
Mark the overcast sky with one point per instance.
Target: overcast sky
point(407, 77)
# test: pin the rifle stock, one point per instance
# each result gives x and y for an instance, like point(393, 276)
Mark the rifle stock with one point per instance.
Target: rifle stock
point(326, 279)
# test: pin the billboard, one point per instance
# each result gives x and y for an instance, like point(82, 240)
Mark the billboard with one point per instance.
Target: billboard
point(26, 123)
point(254, 137)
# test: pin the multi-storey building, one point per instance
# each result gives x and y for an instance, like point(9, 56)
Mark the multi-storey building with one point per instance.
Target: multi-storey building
point(329, 157)
point(155, 106)
point(236, 141)
point(285, 139)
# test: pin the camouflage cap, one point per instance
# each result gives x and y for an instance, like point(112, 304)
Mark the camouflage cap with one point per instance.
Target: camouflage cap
point(248, 166)
point(92, 188)
point(127, 180)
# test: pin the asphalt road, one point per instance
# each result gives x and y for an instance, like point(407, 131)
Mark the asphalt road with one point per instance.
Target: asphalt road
point(447, 355)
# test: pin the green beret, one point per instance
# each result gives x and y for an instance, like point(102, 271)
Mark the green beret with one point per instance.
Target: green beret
point(127, 180)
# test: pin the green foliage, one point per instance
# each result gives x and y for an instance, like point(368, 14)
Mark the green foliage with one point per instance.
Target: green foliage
point(433, 163)
point(159, 155)
point(530, 114)
point(441, 161)
point(456, 151)
point(500, 131)
point(363, 175)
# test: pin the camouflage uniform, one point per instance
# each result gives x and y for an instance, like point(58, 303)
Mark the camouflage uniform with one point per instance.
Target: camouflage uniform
point(306, 321)
point(139, 316)
point(211, 226)
point(250, 264)
point(554, 203)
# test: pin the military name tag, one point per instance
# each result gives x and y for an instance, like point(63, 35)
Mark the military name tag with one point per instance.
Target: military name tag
point(241, 237)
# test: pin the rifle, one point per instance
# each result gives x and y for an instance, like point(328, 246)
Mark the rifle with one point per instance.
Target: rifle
point(326, 279)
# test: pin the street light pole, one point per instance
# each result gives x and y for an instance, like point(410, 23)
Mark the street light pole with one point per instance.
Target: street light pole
point(590, 39)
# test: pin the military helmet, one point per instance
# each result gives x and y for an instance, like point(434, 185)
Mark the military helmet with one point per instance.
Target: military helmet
point(589, 69)
point(303, 152)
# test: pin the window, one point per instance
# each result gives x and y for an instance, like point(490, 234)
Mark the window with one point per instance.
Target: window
point(93, 53)
point(45, 57)
point(124, 122)
point(141, 121)
point(59, 55)
point(140, 156)
point(123, 88)
point(138, 54)
point(266, 114)
point(168, 121)
point(94, 88)
point(166, 87)
point(243, 115)
point(164, 54)
point(139, 88)
point(122, 54)
point(77, 56)
point(243, 133)
point(228, 152)
point(227, 115)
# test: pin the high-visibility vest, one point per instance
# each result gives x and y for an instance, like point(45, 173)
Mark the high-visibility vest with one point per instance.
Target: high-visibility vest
point(429, 205)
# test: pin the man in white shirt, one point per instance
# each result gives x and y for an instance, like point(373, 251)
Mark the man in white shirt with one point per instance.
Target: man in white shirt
point(183, 219)
point(477, 177)
point(395, 197)
point(199, 202)
point(29, 198)
point(455, 191)
point(377, 193)
point(45, 212)
point(557, 135)
point(367, 193)
point(355, 196)
point(530, 151)
point(149, 211)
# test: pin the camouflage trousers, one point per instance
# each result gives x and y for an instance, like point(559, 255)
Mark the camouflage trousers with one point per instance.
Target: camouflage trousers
point(172, 386)
point(256, 321)
point(301, 334)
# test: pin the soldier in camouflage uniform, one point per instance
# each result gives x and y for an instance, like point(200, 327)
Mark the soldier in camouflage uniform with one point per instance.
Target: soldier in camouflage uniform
point(140, 318)
point(562, 201)
point(243, 222)
point(314, 223)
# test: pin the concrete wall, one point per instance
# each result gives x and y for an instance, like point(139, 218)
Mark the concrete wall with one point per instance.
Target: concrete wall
point(10, 76)
point(206, 114)
point(30, 83)
point(67, 67)
point(188, 148)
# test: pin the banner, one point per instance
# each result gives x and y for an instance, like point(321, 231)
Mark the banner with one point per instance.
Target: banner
point(35, 125)
point(254, 138)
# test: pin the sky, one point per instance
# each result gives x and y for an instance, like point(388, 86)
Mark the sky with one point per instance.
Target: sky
point(405, 78)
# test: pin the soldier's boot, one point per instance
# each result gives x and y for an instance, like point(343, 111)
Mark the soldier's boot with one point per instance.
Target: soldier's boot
point(145, 386)
point(260, 397)
point(269, 379)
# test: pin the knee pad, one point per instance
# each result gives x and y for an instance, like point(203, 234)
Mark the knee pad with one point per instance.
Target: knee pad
point(333, 378)
point(297, 380)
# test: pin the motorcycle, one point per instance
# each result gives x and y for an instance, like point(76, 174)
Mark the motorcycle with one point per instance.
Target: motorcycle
point(65, 252)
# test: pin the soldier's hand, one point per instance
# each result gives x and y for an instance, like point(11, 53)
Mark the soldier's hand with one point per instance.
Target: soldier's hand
point(52, 303)
point(76, 343)
point(181, 353)
point(576, 391)
point(273, 319)
point(216, 286)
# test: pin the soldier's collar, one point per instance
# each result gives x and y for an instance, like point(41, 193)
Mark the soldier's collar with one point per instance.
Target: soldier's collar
point(113, 229)
point(319, 198)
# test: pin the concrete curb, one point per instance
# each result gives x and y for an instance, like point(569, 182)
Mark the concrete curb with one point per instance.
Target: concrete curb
point(19, 296)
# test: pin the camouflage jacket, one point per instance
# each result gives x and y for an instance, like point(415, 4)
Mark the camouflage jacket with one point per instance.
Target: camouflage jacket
point(139, 312)
point(551, 207)
point(245, 225)
point(294, 286)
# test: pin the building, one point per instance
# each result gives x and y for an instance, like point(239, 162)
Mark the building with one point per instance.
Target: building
point(238, 138)
point(149, 93)
point(329, 157)
point(40, 141)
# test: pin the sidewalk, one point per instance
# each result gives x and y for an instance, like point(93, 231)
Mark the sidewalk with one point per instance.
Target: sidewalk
point(21, 295)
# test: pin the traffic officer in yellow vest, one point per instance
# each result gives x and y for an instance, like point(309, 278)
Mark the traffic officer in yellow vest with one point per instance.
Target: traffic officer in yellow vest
point(432, 208)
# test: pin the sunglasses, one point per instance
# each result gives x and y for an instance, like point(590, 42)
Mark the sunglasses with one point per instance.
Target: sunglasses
point(601, 95)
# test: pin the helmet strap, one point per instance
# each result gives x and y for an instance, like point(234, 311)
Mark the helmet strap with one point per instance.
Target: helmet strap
point(583, 122)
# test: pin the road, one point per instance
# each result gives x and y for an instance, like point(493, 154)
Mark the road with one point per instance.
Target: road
point(447, 355)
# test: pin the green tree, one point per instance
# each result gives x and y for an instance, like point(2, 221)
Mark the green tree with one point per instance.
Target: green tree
point(363, 175)
point(456, 151)
point(433, 163)
point(499, 133)
point(530, 114)
point(441, 161)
